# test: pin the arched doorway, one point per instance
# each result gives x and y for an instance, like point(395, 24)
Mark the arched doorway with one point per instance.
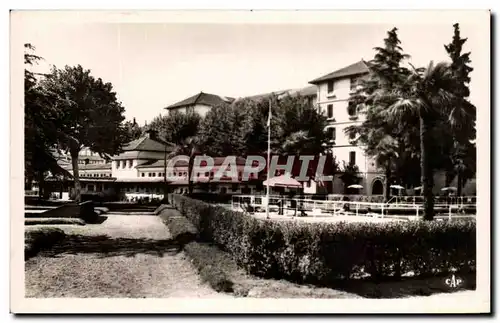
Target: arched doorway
point(377, 187)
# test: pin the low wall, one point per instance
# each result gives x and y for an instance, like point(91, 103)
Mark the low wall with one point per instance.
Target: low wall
point(36, 201)
point(83, 210)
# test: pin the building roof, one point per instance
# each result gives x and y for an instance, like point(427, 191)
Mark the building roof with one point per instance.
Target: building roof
point(182, 163)
point(305, 91)
point(137, 155)
point(202, 98)
point(145, 143)
point(357, 68)
point(105, 166)
point(310, 90)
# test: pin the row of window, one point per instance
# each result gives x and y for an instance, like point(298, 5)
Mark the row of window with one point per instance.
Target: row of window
point(86, 161)
point(94, 175)
point(212, 188)
point(153, 174)
point(184, 174)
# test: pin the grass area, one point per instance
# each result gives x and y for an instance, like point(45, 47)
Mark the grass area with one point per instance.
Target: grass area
point(126, 256)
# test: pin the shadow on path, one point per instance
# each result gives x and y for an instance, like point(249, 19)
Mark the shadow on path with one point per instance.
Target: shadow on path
point(405, 287)
point(106, 246)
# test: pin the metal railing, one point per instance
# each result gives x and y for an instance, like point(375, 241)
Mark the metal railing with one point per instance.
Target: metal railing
point(438, 200)
point(280, 205)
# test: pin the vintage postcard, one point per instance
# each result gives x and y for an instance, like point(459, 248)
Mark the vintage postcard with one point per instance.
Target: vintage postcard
point(250, 161)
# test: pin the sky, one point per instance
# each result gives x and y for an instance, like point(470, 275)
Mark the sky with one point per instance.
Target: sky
point(153, 65)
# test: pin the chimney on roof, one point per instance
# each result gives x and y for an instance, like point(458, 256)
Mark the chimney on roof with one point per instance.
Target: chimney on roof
point(152, 134)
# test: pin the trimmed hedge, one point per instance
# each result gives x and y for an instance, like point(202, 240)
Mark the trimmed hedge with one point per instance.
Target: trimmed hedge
point(322, 253)
point(181, 229)
point(42, 239)
point(204, 258)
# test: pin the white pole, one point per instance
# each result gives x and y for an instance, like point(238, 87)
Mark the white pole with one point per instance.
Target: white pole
point(268, 157)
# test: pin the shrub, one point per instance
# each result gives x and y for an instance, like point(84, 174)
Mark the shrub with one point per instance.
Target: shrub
point(181, 229)
point(204, 258)
point(41, 239)
point(323, 253)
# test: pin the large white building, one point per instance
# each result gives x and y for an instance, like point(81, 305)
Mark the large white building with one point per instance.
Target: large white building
point(334, 91)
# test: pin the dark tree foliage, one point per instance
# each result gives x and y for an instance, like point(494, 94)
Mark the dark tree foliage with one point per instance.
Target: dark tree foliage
point(89, 114)
point(40, 124)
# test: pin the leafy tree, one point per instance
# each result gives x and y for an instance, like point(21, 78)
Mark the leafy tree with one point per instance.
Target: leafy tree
point(350, 176)
point(176, 127)
point(89, 114)
point(40, 124)
point(224, 130)
point(134, 131)
point(300, 128)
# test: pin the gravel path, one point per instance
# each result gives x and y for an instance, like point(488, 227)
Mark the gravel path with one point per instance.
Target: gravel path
point(125, 256)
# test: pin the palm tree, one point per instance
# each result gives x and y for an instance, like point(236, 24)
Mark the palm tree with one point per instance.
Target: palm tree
point(426, 93)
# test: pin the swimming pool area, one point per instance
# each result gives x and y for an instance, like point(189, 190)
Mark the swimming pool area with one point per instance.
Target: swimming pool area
point(309, 210)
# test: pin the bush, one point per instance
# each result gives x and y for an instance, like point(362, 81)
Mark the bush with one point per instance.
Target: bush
point(323, 253)
point(41, 239)
point(181, 229)
point(204, 258)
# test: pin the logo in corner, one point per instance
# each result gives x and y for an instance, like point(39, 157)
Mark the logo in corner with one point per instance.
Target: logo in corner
point(454, 282)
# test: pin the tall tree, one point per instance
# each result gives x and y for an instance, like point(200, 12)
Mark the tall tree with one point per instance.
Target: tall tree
point(382, 139)
point(134, 131)
point(89, 114)
point(224, 130)
point(427, 93)
point(40, 124)
point(176, 127)
point(300, 128)
point(463, 129)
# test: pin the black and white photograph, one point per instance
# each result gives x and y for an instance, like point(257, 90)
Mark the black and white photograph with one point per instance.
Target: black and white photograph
point(197, 161)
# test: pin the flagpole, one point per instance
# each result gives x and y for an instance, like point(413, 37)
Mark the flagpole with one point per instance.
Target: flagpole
point(268, 157)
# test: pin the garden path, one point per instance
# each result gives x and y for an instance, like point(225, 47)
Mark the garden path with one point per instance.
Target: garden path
point(125, 256)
